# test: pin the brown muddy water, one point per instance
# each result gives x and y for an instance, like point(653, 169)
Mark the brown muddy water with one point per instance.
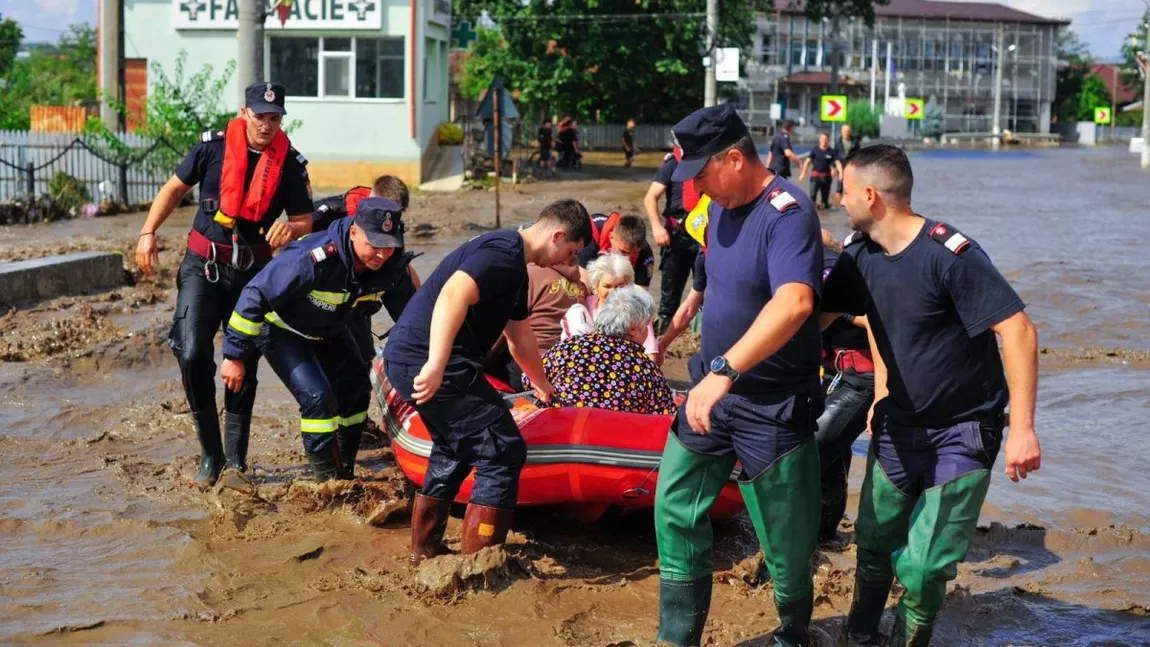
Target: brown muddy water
point(106, 542)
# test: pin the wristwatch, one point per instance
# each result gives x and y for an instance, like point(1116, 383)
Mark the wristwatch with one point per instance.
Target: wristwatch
point(721, 366)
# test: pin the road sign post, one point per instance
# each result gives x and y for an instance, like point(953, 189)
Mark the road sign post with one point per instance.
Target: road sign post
point(914, 109)
point(833, 108)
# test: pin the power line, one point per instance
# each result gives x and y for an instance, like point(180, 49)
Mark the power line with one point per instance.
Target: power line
point(608, 17)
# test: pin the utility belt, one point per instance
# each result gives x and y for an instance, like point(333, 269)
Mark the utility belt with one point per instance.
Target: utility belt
point(818, 175)
point(857, 360)
point(675, 221)
point(237, 255)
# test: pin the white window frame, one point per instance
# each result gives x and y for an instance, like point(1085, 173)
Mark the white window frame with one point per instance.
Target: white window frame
point(321, 96)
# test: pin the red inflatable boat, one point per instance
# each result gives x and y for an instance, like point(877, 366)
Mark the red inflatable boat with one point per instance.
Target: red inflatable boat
point(587, 460)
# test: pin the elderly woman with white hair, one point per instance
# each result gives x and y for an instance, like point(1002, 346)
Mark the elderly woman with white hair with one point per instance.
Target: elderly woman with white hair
point(604, 274)
point(607, 368)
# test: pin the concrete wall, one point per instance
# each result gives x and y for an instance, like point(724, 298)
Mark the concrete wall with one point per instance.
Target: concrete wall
point(343, 138)
point(44, 278)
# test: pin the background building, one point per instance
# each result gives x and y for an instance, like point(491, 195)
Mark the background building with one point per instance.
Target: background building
point(367, 79)
point(944, 50)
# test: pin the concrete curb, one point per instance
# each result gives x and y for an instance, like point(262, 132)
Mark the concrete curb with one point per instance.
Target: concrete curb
point(44, 278)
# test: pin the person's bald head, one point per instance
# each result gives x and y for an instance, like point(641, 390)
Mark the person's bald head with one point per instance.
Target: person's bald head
point(846, 131)
point(876, 179)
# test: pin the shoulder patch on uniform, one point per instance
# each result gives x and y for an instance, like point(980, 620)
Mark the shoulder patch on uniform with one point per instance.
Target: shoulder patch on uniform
point(852, 238)
point(211, 135)
point(950, 238)
point(319, 254)
point(781, 200)
point(300, 158)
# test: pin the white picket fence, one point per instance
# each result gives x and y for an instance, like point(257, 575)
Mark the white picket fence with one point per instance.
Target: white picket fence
point(47, 153)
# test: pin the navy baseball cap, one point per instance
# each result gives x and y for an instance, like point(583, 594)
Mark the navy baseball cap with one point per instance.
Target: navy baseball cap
point(703, 133)
point(265, 97)
point(381, 221)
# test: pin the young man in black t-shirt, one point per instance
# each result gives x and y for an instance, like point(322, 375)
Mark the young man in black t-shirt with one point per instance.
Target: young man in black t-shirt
point(823, 164)
point(433, 360)
point(934, 304)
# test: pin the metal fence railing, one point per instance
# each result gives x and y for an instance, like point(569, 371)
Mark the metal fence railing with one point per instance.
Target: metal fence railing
point(29, 160)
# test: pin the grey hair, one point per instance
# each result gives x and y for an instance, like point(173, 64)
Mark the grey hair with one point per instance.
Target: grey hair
point(614, 265)
point(626, 307)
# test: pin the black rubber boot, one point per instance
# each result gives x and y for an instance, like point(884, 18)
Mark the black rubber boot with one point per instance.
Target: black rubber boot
point(683, 608)
point(348, 439)
point(324, 464)
point(906, 634)
point(211, 451)
point(867, 603)
point(237, 429)
point(794, 623)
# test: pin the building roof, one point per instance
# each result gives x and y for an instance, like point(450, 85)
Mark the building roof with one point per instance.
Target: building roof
point(1111, 74)
point(975, 11)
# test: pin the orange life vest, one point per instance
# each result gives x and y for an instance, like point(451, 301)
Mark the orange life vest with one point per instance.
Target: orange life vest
point(253, 201)
point(690, 194)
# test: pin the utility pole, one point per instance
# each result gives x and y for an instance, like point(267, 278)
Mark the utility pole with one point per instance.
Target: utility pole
point(998, 79)
point(497, 134)
point(710, 90)
point(110, 61)
point(834, 63)
point(873, 69)
point(1145, 105)
point(250, 41)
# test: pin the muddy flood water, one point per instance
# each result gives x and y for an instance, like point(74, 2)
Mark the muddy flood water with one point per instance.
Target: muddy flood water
point(105, 541)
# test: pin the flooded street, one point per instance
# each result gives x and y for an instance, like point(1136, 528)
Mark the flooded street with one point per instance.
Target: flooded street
point(107, 542)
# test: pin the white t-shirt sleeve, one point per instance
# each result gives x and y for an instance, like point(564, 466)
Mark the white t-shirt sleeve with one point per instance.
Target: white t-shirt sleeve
point(576, 322)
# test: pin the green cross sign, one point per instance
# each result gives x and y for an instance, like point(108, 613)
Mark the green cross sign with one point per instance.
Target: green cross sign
point(463, 34)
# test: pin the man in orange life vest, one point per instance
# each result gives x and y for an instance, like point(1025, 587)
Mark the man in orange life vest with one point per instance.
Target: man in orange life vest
point(248, 175)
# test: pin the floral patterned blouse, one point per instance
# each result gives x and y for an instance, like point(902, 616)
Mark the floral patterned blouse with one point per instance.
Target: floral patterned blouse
point(606, 372)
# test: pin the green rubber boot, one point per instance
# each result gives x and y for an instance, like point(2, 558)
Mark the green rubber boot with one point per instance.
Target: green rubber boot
point(941, 529)
point(881, 529)
point(687, 486)
point(783, 503)
point(908, 634)
point(683, 608)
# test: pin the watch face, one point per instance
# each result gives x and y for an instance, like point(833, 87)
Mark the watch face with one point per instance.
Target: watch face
point(718, 364)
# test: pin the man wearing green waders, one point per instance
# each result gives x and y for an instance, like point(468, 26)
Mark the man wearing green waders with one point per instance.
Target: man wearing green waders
point(756, 396)
point(934, 305)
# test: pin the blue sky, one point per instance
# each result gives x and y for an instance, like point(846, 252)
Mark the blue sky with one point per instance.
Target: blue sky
point(1102, 24)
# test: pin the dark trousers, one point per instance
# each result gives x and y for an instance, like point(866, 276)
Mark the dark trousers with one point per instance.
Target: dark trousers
point(470, 427)
point(821, 186)
point(327, 377)
point(676, 262)
point(843, 420)
point(360, 329)
point(202, 309)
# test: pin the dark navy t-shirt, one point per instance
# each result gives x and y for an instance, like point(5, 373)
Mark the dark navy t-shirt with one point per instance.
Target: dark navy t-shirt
point(497, 263)
point(699, 282)
point(931, 312)
point(752, 251)
point(203, 166)
point(841, 333)
point(779, 146)
point(822, 159)
point(674, 204)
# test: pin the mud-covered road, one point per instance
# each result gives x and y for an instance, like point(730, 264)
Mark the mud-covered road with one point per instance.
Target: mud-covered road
point(107, 542)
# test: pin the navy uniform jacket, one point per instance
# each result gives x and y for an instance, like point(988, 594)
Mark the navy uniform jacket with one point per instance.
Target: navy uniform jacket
point(311, 289)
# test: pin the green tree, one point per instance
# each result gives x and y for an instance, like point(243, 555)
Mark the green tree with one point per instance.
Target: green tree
point(10, 38)
point(1093, 95)
point(864, 120)
point(610, 59)
point(1134, 43)
point(1073, 66)
point(178, 109)
point(63, 74)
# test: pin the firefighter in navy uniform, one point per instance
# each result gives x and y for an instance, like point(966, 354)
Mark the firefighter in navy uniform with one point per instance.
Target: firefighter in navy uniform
point(934, 304)
point(677, 259)
point(309, 294)
point(332, 208)
point(248, 175)
point(823, 164)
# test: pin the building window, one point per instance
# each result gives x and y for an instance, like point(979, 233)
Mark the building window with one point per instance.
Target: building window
point(351, 68)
